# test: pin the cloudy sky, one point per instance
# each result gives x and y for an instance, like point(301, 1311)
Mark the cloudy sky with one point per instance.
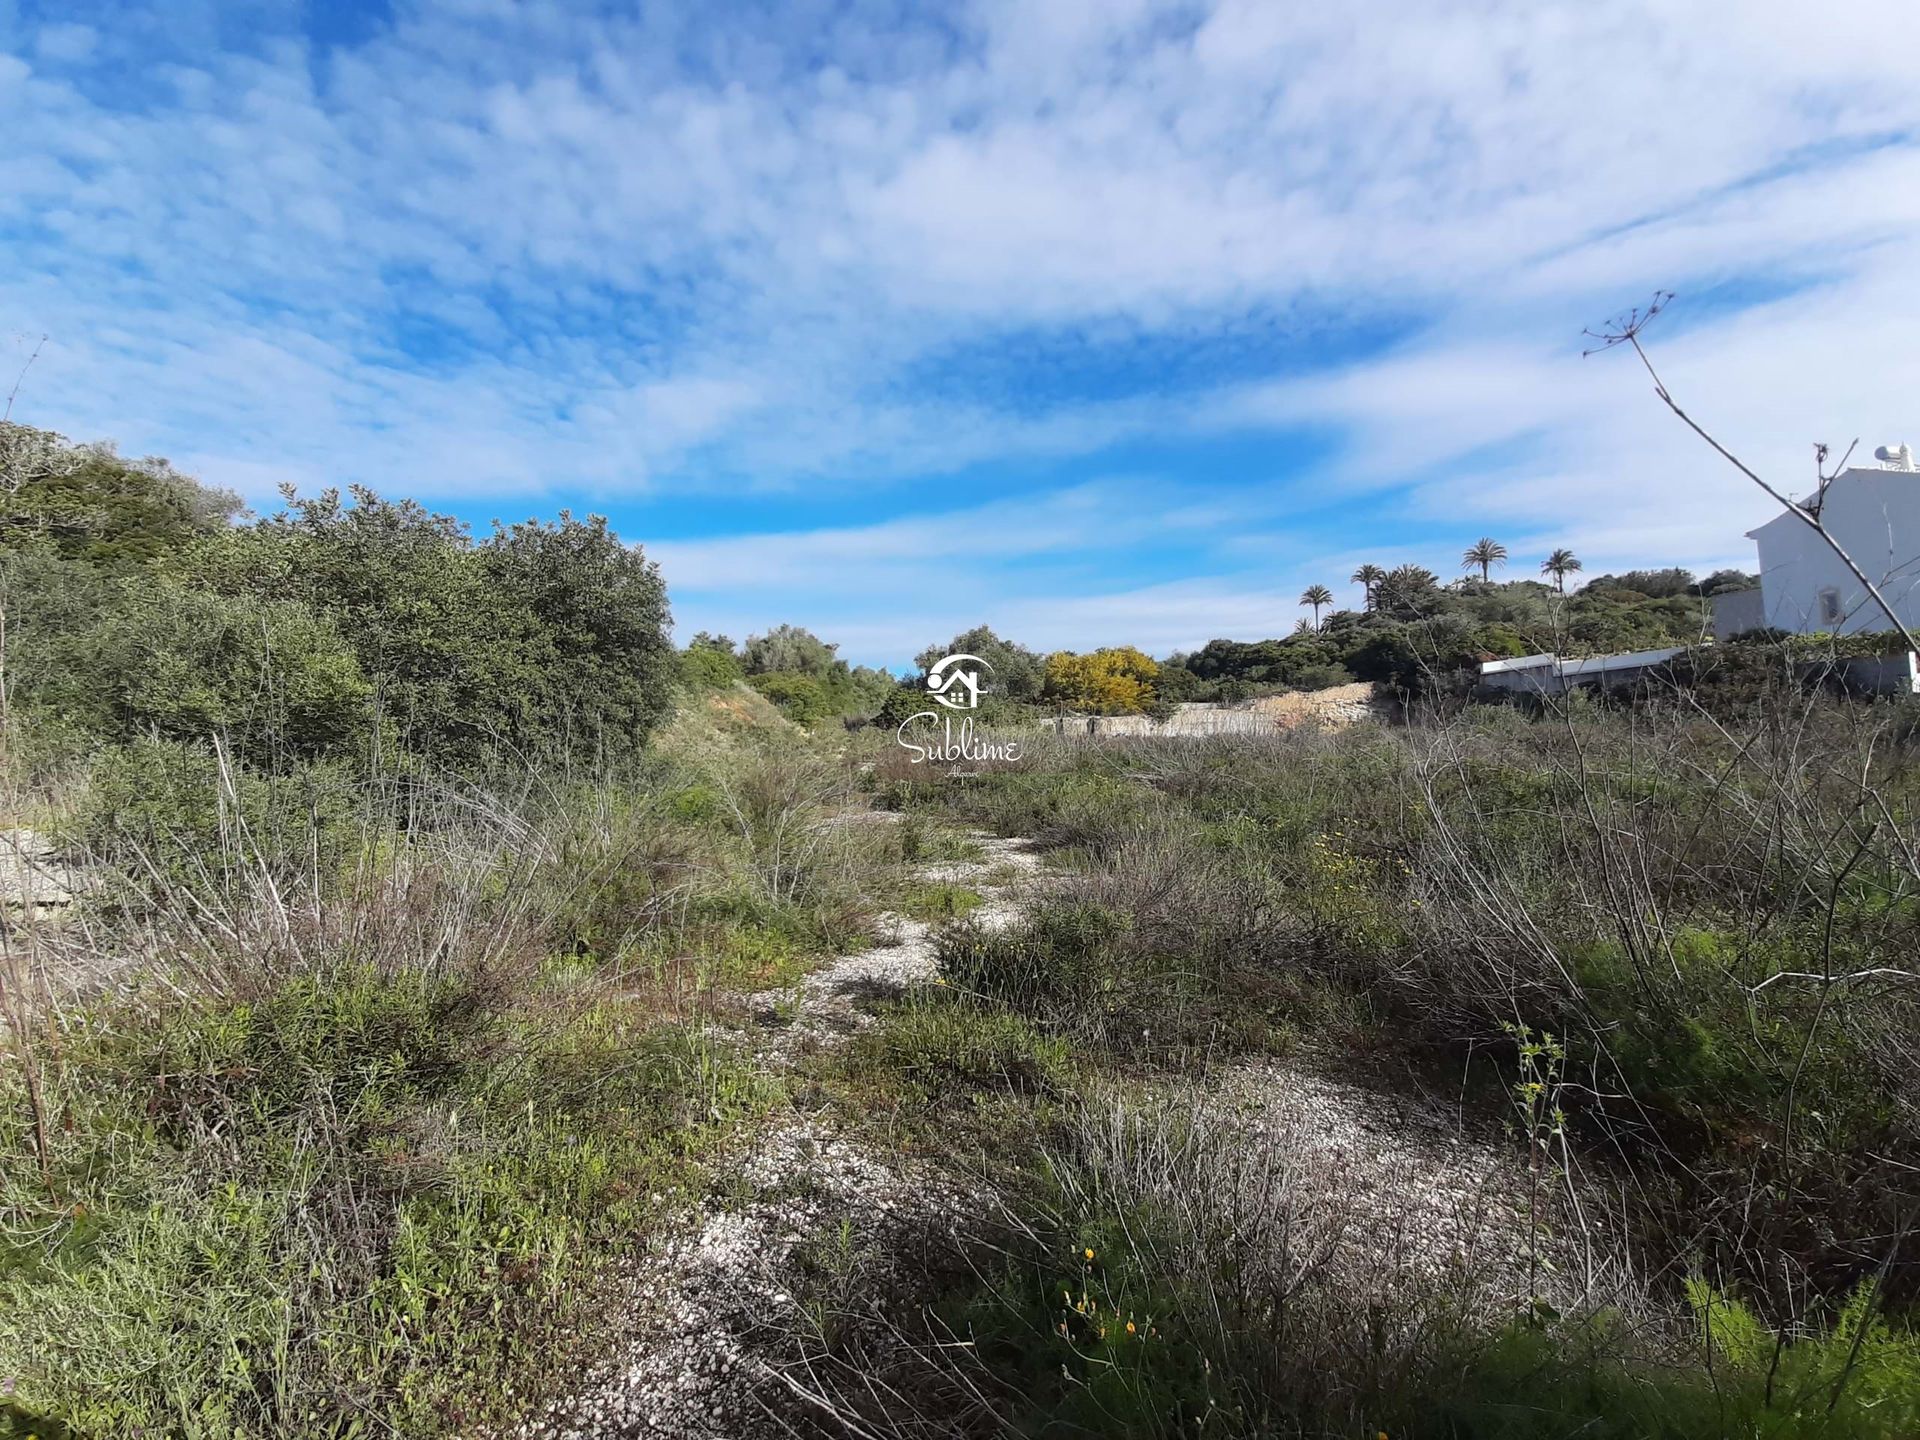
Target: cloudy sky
point(1098, 322)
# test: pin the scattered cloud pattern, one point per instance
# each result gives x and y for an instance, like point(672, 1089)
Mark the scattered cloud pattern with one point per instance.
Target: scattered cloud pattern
point(1096, 321)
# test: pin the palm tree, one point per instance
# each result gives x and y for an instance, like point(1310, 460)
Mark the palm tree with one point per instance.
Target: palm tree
point(1406, 588)
point(1316, 596)
point(1486, 554)
point(1368, 576)
point(1560, 564)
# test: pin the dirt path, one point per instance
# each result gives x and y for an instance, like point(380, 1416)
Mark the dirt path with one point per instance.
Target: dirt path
point(1400, 1192)
point(691, 1366)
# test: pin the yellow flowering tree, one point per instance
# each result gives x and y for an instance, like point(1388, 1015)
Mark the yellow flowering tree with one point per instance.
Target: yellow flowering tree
point(1117, 681)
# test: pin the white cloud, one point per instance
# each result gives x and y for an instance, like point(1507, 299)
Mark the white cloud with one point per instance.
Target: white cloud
point(491, 250)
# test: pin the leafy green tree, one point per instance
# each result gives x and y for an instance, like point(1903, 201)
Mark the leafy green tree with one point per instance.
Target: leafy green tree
point(272, 680)
point(1316, 596)
point(1654, 584)
point(1722, 582)
point(802, 698)
point(595, 665)
point(902, 702)
point(1017, 673)
point(87, 503)
point(708, 667)
point(1408, 592)
point(401, 584)
point(549, 639)
point(793, 650)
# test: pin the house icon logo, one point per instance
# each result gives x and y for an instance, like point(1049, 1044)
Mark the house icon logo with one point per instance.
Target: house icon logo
point(955, 682)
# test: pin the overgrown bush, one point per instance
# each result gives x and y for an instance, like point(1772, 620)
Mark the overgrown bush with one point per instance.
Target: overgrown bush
point(1717, 923)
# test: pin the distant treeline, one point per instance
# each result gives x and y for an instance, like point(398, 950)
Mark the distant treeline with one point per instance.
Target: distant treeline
point(138, 611)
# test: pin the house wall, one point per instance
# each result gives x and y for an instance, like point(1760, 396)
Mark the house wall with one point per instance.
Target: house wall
point(1737, 611)
point(1875, 514)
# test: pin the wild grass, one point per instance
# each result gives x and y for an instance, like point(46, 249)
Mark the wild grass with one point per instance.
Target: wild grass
point(1710, 915)
point(1163, 1276)
point(350, 1132)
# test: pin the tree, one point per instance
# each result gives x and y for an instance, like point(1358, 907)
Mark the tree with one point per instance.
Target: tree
point(272, 679)
point(1316, 596)
point(708, 667)
point(1016, 672)
point(1408, 592)
point(90, 504)
point(400, 583)
point(590, 620)
point(1486, 554)
point(804, 699)
point(1368, 577)
point(1720, 582)
point(1560, 564)
point(789, 649)
point(548, 638)
point(1118, 681)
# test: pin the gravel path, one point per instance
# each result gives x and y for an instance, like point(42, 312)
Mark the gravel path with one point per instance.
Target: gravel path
point(1396, 1191)
point(700, 1309)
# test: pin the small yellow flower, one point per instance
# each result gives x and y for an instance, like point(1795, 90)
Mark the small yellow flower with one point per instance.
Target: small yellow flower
point(1089, 1254)
point(1130, 1329)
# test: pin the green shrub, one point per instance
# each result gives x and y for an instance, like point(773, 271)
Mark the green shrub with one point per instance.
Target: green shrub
point(703, 667)
point(802, 698)
point(942, 1046)
point(1056, 964)
point(272, 679)
point(357, 1200)
point(170, 812)
point(940, 900)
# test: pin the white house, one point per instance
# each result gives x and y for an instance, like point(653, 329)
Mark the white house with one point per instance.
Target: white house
point(1551, 675)
point(1875, 514)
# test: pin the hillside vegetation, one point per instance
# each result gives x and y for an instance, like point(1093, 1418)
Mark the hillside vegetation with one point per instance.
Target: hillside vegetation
point(446, 946)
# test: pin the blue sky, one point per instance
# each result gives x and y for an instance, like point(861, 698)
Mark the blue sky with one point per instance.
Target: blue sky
point(1100, 323)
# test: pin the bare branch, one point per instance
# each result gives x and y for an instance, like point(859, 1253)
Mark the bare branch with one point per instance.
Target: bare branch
point(1626, 330)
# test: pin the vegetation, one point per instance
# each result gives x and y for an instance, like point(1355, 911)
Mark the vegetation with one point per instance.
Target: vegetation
point(1425, 639)
point(401, 1004)
point(1104, 682)
point(1670, 945)
point(381, 1030)
point(1485, 553)
point(1316, 596)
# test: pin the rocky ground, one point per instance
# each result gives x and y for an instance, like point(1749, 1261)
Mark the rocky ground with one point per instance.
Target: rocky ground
point(696, 1361)
point(1389, 1187)
point(33, 882)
